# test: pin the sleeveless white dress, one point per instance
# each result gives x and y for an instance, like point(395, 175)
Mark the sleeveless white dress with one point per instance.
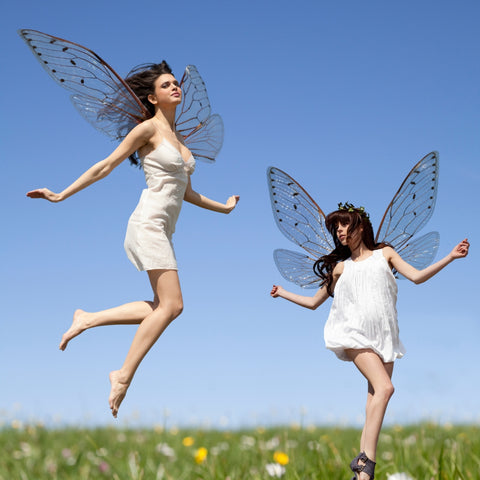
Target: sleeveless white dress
point(363, 313)
point(148, 241)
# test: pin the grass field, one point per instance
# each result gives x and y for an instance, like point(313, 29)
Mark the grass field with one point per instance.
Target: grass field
point(423, 452)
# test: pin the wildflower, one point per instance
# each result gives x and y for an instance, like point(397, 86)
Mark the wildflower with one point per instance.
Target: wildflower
point(165, 449)
point(387, 456)
point(217, 449)
point(104, 467)
point(50, 466)
point(281, 458)
point(275, 470)
point(247, 442)
point(66, 453)
point(272, 444)
point(17, 424)
point(399, 476)
point(188, 441)
point(102, 452)
point(201, 455)
point(26, 449)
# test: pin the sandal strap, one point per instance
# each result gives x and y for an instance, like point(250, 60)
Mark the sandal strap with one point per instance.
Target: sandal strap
point(368, 466)
point(354, 463)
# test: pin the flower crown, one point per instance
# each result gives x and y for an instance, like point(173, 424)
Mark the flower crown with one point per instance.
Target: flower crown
point(349, 207)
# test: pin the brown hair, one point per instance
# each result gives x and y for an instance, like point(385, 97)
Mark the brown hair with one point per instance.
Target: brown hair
point(354, 218)
point(141, 79)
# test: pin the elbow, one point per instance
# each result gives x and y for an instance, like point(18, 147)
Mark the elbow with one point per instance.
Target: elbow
point(417, 280)
point(104, 171)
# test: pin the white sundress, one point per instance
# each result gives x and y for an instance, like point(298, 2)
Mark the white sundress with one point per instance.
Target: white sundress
point(148, 241)
point(363, 313)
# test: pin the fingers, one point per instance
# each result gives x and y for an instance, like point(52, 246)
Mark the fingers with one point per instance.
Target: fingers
point(275, 291)
point(35, 194)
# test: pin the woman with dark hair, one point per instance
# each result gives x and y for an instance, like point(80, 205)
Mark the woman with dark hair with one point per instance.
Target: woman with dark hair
point(362, 325)
point(168, 165)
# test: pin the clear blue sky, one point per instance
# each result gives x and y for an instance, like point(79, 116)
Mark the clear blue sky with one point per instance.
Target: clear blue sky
point(344, 96)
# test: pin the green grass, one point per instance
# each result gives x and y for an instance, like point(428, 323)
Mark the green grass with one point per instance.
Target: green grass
point(424, 452)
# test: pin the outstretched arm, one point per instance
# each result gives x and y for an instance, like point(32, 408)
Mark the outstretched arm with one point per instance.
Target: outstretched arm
point(192, 196)
point(420, 276)
point(308, 302)
point(304, 301)
point(138, 137)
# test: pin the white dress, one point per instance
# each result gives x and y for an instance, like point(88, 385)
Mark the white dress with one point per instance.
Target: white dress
point(363, 313)
point(148, 241)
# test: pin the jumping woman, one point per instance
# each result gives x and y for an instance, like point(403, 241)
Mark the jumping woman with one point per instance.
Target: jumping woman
point(168, 165)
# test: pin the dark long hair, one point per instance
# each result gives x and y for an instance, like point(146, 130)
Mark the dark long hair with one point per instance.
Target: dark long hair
point(354, 218)
point(141, 79)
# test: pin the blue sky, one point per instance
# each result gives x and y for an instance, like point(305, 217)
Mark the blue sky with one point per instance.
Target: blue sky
point(344, 96)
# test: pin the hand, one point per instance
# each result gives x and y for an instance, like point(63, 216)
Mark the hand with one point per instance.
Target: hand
point(461, 250)
point(46, 194)
point(232, 202)
point(276, 291)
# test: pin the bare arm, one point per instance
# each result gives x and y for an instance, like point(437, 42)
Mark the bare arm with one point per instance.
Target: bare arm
point(420, 276)
point(192, 196)
point(308, 302)
point(138, 137)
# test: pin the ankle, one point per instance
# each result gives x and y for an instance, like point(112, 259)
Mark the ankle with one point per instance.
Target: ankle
point(122, 377)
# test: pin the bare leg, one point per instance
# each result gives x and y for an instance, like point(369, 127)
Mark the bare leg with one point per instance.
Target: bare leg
point(380, 390)
point(128, 314)
point(166, 286)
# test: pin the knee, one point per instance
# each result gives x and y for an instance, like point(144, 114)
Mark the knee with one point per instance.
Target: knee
point(175, 309)
point(386, 391)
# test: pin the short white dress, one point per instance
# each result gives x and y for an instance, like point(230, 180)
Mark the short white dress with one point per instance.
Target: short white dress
point(148, 241)
point(363, 313)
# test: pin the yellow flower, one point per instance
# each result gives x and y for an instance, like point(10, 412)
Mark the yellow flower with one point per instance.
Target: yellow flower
point(188, 441)
point(201, 455)
point(281, 458)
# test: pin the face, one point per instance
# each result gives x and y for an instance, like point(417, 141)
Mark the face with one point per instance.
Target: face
point(167, 91)
point(348, 240)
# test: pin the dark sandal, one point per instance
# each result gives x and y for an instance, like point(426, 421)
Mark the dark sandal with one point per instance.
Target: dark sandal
point(368, 467)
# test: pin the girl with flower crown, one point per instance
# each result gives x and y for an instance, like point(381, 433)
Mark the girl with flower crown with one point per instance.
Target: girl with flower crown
point(362, 324)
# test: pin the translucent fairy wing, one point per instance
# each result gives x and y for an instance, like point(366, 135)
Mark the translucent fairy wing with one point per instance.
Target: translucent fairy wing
point(297, 216)
point(110, 120)
point(296, 267)
point(202, 131)
point(99, 93)
point(413, 204)
point(420, 252)
point(206, 142)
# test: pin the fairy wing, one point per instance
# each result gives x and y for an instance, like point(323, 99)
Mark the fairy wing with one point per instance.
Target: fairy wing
point(409, 211)
point(296, 267)
point(420, 252)
point(98, 92)
point(202, 131)
point(302, 221)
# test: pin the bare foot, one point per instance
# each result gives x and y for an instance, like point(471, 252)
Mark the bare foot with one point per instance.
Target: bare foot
point(78, 326)
point(117, 393)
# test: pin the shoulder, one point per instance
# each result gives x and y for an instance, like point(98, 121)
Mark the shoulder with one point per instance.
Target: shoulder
point(338, 269)
point(388, 252)
point(144, 130)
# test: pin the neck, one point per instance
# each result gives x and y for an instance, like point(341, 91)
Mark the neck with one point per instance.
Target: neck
point(167, 117)
point(359, 251)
